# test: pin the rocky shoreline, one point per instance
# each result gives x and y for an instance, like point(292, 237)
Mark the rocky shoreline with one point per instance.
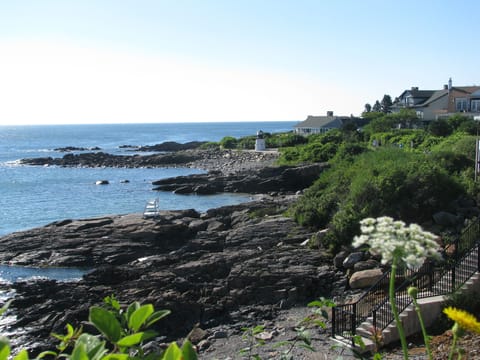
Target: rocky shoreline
point(224, 161)
point(219, 271)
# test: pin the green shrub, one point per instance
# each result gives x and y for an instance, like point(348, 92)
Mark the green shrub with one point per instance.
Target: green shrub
point(389, 181)
point(228, 142)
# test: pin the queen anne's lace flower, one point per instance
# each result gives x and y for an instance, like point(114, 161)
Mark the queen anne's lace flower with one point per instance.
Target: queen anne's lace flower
point(389, 239)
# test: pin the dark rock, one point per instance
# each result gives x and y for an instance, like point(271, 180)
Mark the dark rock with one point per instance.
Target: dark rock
point(203, 269)
point(102, 182)
point(271, 179)
point(366, 265)
point(352, 259)
point(340, 258)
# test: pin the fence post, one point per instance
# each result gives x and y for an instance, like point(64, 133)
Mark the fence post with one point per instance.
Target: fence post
point(334, 315)
point(478, 256)
point(354, 323)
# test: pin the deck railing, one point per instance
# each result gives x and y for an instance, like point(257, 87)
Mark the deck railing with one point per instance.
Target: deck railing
point(461, 261)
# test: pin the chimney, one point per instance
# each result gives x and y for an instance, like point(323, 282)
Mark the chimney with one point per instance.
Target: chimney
point(449, 84)
point(329, 113)
point(414, 88)
point(445, 87)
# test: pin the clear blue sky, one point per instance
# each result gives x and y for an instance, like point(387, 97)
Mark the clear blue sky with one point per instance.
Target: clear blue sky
point(91, 61)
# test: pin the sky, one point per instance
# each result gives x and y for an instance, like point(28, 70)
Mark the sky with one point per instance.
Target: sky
point(119, 61)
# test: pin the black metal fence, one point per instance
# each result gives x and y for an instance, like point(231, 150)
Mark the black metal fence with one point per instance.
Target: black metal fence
point(461, 261)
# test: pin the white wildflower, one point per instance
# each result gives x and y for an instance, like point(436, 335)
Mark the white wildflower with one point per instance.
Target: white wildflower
point(411, 245)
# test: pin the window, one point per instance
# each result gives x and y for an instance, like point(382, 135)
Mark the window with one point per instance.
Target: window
point(475, 105)
point(461, 104)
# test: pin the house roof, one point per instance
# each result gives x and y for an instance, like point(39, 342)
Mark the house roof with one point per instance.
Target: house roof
point(435, 96)
point(321, 122)
point(422, 94)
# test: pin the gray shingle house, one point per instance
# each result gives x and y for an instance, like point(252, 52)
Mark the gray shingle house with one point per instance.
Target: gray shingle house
point(322, 124)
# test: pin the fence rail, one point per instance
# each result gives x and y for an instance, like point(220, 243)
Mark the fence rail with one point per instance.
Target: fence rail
point(461, 261)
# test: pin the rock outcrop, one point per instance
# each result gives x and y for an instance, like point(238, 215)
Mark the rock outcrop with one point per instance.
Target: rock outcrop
point(224, 161)
point(282, 179)
point(228, 265)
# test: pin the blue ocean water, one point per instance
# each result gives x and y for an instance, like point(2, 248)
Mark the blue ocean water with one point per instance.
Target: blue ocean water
point(33, 196)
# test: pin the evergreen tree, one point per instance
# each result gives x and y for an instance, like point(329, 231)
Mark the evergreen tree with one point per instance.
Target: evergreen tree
point(386, 104)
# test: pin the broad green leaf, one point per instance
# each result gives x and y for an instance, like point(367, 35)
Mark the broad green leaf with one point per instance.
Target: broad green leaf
point(93, 345)
point(315, 303)
point(4, 348)
point(79, 352)
point(105, 322)
point(131, 340)
point(47, 353)
point(157, 315)
point(149, 334)
point(188, 351)
point(139, 316)
point(131, 309)
point(22, 355)
point(173, 352)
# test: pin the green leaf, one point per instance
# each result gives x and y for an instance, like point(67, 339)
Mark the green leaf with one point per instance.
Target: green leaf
point(5, 306)
point(47, 353)
point(116, 357)
point(188, 351)
point(93, 345)
point(315, 303)
point(22, 355)
point(173, 352)
point(4, 348)
point(149, 334)
point(112, 301)
point(131, 309)
point(139, 316)
point(79, 352)
point(131, 340)
point(157, 315)
point(105, 322)
point(258, 329)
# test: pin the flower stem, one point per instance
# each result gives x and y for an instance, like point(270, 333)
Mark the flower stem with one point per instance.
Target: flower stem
point(454, 345)
point(426, 340)
point(398, 323)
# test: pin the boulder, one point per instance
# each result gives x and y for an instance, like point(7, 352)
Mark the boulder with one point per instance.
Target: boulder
point(365, 278)
point(352, 259)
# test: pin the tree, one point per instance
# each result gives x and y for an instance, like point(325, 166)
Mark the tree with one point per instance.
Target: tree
point(386, 104)
point(377, 107)
point(368, 107)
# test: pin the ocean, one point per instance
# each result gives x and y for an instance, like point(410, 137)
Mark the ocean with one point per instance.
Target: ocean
point(32, 196)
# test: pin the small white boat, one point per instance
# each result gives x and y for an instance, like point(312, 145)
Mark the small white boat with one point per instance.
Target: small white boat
point(152, 209)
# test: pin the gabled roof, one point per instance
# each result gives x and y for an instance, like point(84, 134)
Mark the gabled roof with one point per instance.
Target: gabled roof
point(435, 96)
point(321, 122)
point(419, 94)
